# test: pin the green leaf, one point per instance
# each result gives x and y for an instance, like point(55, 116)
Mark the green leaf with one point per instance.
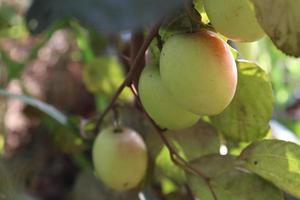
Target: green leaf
point(48, 109)
point(276, 161)
point(213, 165)
point(248, 115)
point(237, 185)
point(165, 168)
point(7, 15)
point(88, 187)
point(198, 140)
point(103, 15)
point(280, 19)
point(198, 5)
point(229, 183)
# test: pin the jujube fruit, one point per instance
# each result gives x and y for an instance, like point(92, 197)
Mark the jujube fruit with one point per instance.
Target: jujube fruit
point(159, 104)
point(120, 158)
point(199, 71)
point(234, 19)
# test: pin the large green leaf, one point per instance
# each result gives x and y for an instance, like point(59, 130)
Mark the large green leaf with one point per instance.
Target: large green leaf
point(280, 19)
point(248, 115)
point(50, 110)
point(104, 15)
point(276, 161)
point(165, 168)
point(198, 140)
point(88, 187)
point(229, 183)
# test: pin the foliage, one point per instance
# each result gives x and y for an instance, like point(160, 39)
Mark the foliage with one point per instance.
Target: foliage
point(70, 69)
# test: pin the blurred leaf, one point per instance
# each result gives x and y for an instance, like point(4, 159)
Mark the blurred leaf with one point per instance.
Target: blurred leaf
point(6, 184)
point(67, 141)
point(165, 168)
point(88, 187)
point(247, 50)
point(229, 183)
point(15, 69)
point(83, 42)
point(198, 5)
point(103, 75)
point(248, 115)
point(198, 140)
point(104, 15)
point(48, 109)
point(276, 161)
point(7, 14)
point(24, 196)
point(280, 19)
point(214, 165)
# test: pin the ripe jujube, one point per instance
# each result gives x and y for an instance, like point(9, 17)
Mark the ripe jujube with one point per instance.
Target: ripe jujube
point(120, 158)
point(199, 71)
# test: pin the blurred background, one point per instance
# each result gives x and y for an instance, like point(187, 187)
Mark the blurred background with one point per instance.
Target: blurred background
point(43, 159)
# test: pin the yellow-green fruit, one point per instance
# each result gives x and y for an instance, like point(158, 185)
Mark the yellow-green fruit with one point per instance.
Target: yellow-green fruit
point(160, 105)
point(234, 19)
point(120, 158)
point(199, 71)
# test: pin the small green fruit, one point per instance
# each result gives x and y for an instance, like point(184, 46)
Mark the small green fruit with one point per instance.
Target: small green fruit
point(199, 71)
point(120, 158)
point(234, 19)
point(160, 105)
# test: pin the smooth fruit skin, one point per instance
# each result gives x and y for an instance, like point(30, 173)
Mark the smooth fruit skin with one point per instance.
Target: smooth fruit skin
point(199, 71)
point(160, 105)
point(234, 19)
point(120, 158)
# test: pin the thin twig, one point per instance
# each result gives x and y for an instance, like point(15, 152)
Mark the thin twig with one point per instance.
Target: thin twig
point(174, 155)
point(137, 39)
point(135, 67)
point(179, 161)
point(189, 192)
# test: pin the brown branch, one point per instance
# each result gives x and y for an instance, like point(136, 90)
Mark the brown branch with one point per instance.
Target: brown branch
point(137, 40)
point(175, 157)
point(189, 192)
point(131, 74)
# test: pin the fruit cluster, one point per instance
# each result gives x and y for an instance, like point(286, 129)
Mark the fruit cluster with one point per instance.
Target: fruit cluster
point(197, 76)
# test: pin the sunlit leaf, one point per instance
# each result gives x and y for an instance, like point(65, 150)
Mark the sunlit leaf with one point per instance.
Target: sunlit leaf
point(276, 161)
point(228, 182)
point(248, 115)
